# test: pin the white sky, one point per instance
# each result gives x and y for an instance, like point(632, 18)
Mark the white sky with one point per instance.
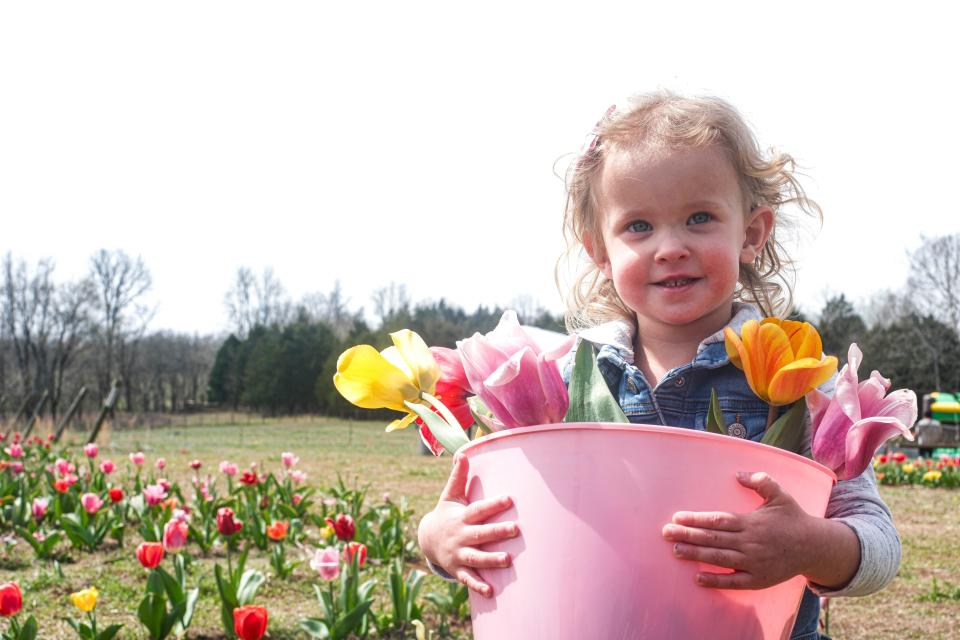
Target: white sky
point(415, 142)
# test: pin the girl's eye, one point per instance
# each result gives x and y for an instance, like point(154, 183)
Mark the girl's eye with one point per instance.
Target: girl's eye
point(639, 226)
point(699, 218)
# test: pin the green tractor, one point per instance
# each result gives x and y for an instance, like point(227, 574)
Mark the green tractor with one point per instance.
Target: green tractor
point(939, 423)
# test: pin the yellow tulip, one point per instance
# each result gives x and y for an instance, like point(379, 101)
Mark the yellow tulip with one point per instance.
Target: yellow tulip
point(782, 359)
point(386, 379)
point(932, 475)
point(86, 599)
point(907, 468)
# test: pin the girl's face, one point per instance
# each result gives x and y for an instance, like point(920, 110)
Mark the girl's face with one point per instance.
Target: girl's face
point(674, 230)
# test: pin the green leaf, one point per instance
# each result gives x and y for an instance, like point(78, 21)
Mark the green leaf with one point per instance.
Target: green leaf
point(250, 581)
point(451, 437)
point(715, 421)
point(151, 611)
point(191, 604)
point(590, 398)
point(788, 431)
point(29, 629)
point(109, 632)
point(349, 622)
point(315, 627)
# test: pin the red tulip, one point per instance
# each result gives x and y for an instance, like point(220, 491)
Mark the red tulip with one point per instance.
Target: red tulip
point(11, 600)
point(343, 526)
point(249, 478)
point(250, 622)
point(899, 456)
point(150, 554)
point(175, 535)
point(116, 494)
point(61, 485)
point(452, 390)
point(351, 550)
point(226, 524)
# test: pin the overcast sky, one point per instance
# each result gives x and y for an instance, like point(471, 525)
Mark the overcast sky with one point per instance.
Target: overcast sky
point(417, 142)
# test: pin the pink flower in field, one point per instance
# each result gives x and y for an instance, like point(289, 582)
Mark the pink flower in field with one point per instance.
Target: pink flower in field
point(107, 467)
point(154, 494)
point(91, 502)
point(14, 451)
point(195, 464)
point(91, 450)
point(175, 534)
point(326, 563)
point(40, 508)
point(161, 464)
point(289, 459)
point(70, 479)
point(849, 427)
point(64, 467)
point(138, 458)
point(180, 515)
point(329, 502)
point(297, 476)
point(16, 467)
point(39, 536)
point(515, 377)
point(163, 482)
point(228, 468)
point(297, 499)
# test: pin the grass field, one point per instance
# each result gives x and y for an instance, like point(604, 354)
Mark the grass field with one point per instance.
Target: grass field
point(360, 453)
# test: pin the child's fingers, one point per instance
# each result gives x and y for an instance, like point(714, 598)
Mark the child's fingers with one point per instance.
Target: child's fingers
point(762, 483)
point(735, 580)
point(470, 557)
point(483, 510)
point(718, 520)
point(456, 488)
point(494, 532)
point(472, 579)
point(729, 558)
point(702, 537)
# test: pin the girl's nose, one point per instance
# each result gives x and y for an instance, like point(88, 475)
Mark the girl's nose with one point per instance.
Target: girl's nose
point(670, 248)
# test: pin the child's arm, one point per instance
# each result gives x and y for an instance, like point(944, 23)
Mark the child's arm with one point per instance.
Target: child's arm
point(793, 543)
point(450, 534)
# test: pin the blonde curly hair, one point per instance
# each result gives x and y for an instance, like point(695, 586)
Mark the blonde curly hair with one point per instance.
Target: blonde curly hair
point(670, 120)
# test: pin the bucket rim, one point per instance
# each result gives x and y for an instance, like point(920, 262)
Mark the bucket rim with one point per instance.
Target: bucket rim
point(675, 432)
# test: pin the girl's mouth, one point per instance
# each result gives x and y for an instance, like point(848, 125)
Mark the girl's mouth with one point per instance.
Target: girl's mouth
point(676, 283)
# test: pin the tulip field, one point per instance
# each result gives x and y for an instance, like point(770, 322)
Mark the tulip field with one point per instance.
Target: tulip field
point(306, 528)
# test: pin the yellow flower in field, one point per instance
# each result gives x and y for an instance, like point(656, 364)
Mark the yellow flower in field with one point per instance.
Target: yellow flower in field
point(907, 468)
point(782, 359)
point(327, 532)
point(385, 379)
point(931, 476)
point(86, 599)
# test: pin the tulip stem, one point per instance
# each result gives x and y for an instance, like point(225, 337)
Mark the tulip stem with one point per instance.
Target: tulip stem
point(440, 407)
point(771, 415)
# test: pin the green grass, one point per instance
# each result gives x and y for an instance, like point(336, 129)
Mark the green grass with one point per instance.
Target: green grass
point(361, 453)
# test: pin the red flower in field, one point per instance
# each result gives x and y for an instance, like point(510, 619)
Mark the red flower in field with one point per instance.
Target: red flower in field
point(61, 485)
point(150, 554)
point(355, 549)
point(899, 456)
point(226, 524)
point(11, 600)
point(452, 390)
point(883, 459)
point(116, 494)
point(175, 534)
point(195, 464)
point(343, 526)
point(249, 478)
point(250, 622)
point(278, 530)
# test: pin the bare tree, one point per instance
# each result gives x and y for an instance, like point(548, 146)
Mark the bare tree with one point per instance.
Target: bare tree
point(934, 282)
point(389, 301)
point(27, 318)
point(251, 301)
point(120, 282)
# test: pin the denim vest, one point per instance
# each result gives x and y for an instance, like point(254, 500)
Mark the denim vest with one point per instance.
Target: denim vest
point(682, 397)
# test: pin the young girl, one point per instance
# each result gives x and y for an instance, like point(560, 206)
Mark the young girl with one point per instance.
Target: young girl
point(678, 211)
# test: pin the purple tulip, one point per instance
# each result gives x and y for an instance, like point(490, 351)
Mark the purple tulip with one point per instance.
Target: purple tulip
point(849, 427)
point(515, 377)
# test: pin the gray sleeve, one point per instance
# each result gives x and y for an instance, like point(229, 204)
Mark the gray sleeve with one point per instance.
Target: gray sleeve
point(857, 504)
point(439, 571)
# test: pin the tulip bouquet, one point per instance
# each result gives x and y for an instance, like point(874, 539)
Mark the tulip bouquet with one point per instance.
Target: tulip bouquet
point(784, 365)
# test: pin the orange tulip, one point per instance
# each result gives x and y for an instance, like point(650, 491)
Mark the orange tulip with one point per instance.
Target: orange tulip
point(278, 530)
point(782, 359)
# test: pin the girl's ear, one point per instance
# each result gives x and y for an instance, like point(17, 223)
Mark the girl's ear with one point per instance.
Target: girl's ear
point(759, 227)
point(597, 254)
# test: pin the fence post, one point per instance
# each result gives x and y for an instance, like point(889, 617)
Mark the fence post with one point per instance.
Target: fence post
point(107, 408)
point(66, 418)
point(36, 413)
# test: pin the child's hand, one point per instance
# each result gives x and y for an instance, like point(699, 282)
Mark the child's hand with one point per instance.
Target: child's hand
point(764, 547)
point(450, 534)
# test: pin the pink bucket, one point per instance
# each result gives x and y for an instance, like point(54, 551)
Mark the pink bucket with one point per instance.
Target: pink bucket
point(591, 501)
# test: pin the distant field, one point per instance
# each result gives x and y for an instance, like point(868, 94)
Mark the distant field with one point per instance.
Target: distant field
point(361, 453)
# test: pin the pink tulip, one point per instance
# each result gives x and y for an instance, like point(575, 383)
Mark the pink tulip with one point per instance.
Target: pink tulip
point(14, 451)
point(138, 458)
point(515, 377)
point(848, 428)
point(298, 476)
point(107, 467)
point(154, 494)
point(175, 534)
point(161, 464)
point(16, 467)
point(195, 464)
point(91, 450)
point(296, 499)
point(40, 508)
point(289, 459)
point(64, 467)
point(326, 562)
point(91, 502)
point(228, 468)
